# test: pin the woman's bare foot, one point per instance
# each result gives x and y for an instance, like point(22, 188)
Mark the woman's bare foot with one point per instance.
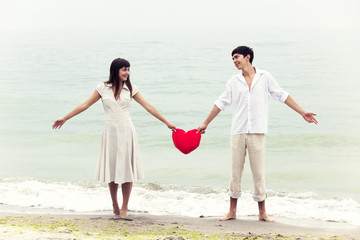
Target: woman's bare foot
point(228, 217)
point(116, 209)
point(123, 213)
point(266, 218)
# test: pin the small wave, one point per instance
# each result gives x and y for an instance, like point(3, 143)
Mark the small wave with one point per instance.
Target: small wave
point(171, 199)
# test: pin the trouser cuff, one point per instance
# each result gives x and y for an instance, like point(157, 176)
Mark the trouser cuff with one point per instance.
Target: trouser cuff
point(234, 194)
point(259, 198)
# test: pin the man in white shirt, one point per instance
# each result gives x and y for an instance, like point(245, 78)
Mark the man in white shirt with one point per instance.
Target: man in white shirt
point(249, 93)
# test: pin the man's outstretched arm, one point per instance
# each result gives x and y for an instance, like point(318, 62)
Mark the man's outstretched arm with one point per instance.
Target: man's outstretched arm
point(308, 116)
point(214, 112)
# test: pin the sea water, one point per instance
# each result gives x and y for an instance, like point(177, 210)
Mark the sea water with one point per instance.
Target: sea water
point(311, 170)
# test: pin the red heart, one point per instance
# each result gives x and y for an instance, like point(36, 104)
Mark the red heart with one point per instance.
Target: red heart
point(186, 142)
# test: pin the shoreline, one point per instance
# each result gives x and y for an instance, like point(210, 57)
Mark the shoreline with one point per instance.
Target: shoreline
point(147, 226)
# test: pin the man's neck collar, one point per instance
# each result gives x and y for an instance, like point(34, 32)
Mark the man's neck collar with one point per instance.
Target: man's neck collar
point(249, 71)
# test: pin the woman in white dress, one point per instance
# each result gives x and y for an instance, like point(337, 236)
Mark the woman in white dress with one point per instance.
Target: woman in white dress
point(119, 159)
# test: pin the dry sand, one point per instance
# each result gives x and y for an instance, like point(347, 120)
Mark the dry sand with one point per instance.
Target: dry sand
point(146, 226)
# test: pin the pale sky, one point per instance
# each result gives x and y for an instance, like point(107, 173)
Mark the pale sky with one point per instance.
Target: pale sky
point(39, 14)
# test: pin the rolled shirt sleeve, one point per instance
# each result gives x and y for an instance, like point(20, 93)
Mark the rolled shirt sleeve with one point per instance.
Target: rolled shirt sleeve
point(275, 90)
point(224, 99)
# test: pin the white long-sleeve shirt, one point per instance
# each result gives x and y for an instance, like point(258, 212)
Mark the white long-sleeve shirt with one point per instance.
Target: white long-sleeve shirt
point(250, 108)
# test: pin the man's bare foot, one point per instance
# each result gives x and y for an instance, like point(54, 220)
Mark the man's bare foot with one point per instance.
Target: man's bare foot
point(116, 209)
point(266, 218)
point(123, 213)
point(228, 217)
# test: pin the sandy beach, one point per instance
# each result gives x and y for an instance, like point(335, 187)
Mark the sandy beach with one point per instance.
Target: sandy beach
point(146, 226)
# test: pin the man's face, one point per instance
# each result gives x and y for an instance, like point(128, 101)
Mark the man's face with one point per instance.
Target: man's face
point(239, 61)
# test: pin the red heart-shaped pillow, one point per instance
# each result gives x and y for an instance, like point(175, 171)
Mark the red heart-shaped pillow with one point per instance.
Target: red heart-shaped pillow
point(186, 142)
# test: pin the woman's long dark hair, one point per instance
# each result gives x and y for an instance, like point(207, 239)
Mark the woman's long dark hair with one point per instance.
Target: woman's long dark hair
point(114, 79)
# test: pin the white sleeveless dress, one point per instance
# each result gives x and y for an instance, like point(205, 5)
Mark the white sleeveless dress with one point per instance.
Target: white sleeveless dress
point(119, 157)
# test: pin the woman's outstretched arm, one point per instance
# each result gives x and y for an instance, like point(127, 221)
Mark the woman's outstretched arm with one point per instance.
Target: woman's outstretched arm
point(80, 108)
point(152, 110)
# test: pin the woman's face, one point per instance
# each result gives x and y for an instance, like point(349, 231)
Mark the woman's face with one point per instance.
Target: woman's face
point(124, 73)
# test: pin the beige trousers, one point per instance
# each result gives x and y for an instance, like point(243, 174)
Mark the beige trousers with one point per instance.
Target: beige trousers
point(255, 145)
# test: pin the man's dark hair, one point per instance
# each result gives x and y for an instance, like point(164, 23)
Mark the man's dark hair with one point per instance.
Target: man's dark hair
point(243, 50)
